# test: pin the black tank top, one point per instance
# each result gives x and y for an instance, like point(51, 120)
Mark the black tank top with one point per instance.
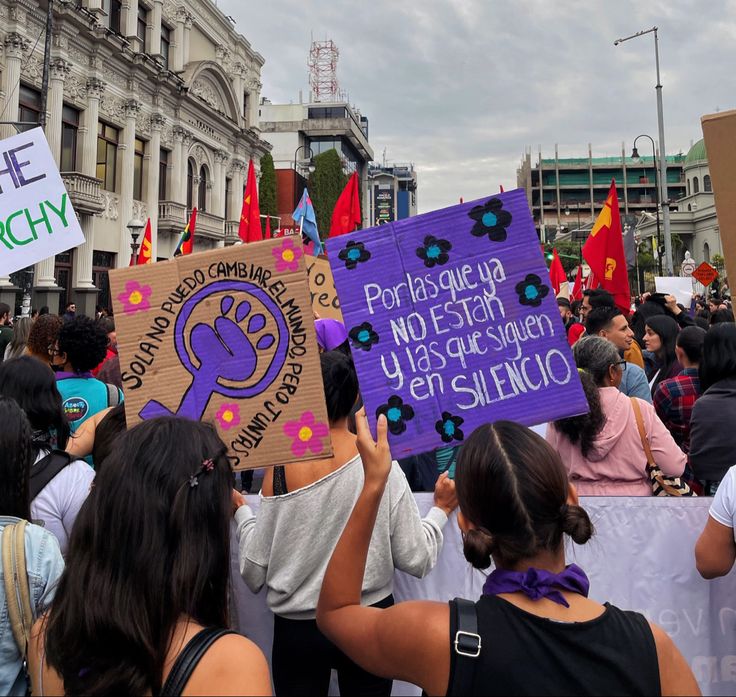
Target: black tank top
point(522, 654)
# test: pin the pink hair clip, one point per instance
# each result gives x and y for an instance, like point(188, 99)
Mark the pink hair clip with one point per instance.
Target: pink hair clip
point(208, 465)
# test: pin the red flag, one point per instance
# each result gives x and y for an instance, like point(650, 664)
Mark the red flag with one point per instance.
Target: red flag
point(144, 256)
point(501, 187)
point(557, 274)
point(268, 227)
point(346, 216)
point(250, 215)
point(577, 289)
point(186, 241)
point(604, 252)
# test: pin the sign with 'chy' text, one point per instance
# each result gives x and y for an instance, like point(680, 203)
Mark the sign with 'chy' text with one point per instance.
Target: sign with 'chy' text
point(36, 215)
point(453, 324)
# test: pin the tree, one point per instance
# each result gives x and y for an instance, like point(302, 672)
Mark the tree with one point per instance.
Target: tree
point(267, 188)
point(325, 186)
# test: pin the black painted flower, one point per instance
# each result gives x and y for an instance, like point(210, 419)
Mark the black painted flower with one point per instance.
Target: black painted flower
point(363, 336)
point(396, 413)
point(449, 427)
point(353, 254)
point(491, 220)
point(434, 251)
point(531, 290)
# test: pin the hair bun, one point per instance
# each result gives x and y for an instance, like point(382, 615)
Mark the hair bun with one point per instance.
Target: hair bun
point(478, 546)
point(575, 522)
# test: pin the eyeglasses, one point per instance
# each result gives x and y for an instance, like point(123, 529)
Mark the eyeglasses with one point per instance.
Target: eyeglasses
point(53, 351)
point(622, 364)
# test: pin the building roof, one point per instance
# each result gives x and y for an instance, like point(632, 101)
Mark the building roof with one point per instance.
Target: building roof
point(697, 152)
point(603, 161)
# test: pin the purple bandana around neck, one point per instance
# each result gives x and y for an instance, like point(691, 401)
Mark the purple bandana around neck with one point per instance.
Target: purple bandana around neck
point(538, 583)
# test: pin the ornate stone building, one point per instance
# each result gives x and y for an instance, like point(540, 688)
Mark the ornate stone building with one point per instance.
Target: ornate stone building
point(152, 109)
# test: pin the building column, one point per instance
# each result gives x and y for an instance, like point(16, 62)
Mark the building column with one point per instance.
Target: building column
point(129, 22)
point(177, 44)
point(218, 183)
point(59, 69)
point(154, 38)
point(254, 97)
point(126, 163)
point(186, 141)
point(188, 22)
point(237, 76)
point(95, 90)
point(154, 150)
point(177, 164)
point(236, 189)
point(15, 46)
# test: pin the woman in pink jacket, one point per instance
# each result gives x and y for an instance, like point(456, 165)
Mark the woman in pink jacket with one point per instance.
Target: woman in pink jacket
point(602, 449)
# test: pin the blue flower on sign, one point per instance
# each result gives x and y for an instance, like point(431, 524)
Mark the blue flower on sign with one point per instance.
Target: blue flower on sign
point(434, 251)
point(396, 413)
point(449, 427)
point(353, 254)
point(531, 290)
point(491, 220)
point(363, 336)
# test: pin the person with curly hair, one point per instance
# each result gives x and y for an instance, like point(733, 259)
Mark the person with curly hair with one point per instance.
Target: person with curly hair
point(43, 336)
point(81, 346)
point(602, 449)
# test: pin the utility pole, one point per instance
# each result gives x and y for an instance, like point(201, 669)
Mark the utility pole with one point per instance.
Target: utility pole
point(46, 63)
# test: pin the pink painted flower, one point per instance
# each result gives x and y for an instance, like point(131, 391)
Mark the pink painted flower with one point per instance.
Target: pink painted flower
point(135, 297)
point(287, 256)
point(307, 434)
point(228, 416)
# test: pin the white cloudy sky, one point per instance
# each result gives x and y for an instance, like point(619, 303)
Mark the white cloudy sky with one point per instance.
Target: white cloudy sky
point(462, 87)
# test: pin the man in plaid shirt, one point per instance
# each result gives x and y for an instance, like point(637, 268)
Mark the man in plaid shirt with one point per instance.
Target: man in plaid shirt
point(674, 398)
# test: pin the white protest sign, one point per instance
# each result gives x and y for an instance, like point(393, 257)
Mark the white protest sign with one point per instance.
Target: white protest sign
point(681, 288)
point(36, 215)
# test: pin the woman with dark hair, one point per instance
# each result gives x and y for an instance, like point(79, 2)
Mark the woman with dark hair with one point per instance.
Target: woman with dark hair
point(722, 315)
point(533, 631)
point(603, 450)
point(57, 502)
point(303, 509)
point(43, 560)
point(147, 573)
point(713, 423)
point(660, 338)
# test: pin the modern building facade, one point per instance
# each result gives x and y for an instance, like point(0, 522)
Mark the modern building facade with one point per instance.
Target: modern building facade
point(568, 193)
point(392, 192)
point(299, 132)
point(152, 110)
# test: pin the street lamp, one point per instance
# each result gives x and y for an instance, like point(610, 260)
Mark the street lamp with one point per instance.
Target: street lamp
point(310, 167)
point(635, 158)
point(135, 226)
point(663, 196)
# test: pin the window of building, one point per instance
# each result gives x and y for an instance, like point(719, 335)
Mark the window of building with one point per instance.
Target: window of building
point(63, 278)
point(228, 193)
point(707, 186)
point(107, 150)
point(141, 25)
point(329, 112)
point(113, 8)
point(245, 106)
point(69, 128)
point(163, 172)
point(139, 152)
point(165, 44)
point(190, 184)
point(29, 105)
point(706, 253)
point(688, 187)
point(202, 190)
point(696, 185)
point(101, 263)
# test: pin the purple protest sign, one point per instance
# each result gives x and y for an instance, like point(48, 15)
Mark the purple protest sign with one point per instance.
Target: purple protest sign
point(453, 324)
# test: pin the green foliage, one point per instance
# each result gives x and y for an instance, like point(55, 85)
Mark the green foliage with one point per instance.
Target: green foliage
point(718, 262)
point(569, 253)
point(267, 189)
point(325, 186)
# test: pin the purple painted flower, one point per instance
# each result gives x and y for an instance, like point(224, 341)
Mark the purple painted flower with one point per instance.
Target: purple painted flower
point(307, 434)
point(135, 297)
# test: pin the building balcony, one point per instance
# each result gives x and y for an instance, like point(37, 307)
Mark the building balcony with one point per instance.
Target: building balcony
point(85, 193)
point(172, 217)
point(208, 225)
point(231, 231)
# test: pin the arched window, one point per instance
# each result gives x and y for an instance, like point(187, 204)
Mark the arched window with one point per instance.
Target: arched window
point(688, 187)
point(706, 252)
point(696, 185)
point(689, 207)
point(707, 186)
point(202, 190)
point(190, 184)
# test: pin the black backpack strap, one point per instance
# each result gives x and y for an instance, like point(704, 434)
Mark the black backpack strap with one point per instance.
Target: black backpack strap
point(46, 469)
point(466, 646)
point(189, 658)
point(113, 395)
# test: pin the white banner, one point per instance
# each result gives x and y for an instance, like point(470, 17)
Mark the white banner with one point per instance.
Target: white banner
point(641, 558)
point(36, 215)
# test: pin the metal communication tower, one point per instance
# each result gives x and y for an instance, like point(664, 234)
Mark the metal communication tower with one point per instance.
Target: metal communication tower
point(322, 64)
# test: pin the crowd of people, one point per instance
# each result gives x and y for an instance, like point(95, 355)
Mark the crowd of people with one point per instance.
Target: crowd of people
point(120, 580)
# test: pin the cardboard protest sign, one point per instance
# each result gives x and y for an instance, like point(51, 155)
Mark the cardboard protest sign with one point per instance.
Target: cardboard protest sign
point(226, 336)
point(36, 215)
point(453, 324)
point(322, 288)
point(681, 288)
